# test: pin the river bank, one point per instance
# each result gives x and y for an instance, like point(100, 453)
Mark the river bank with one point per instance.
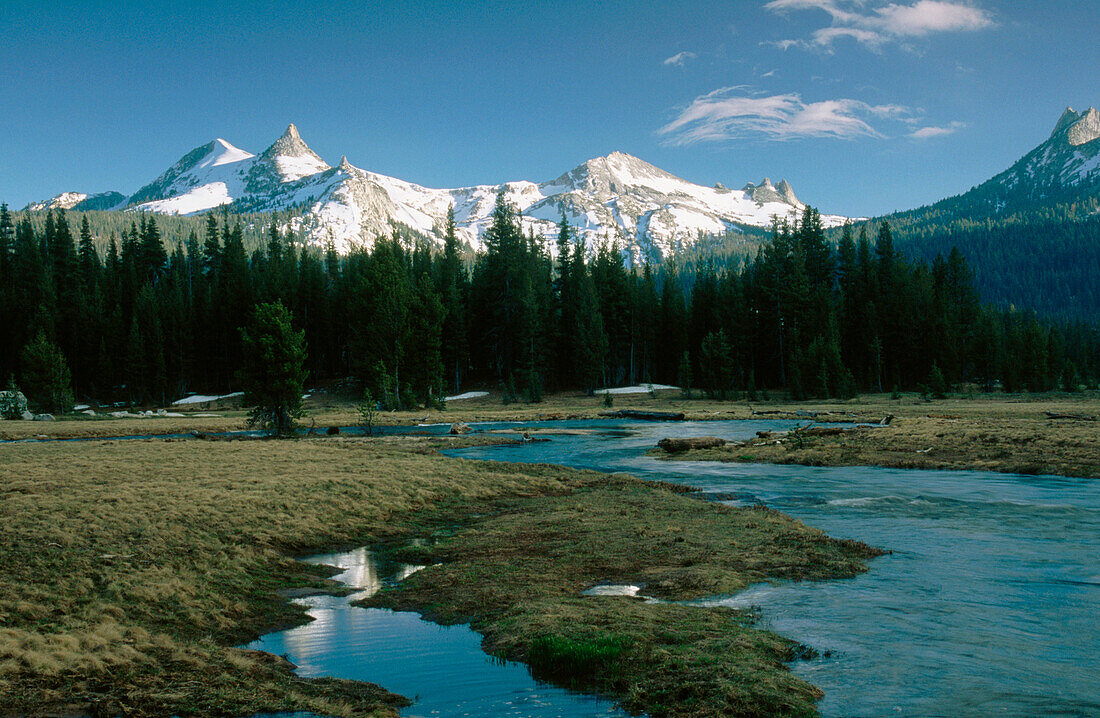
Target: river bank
point(1024, 441)
point(130, 573)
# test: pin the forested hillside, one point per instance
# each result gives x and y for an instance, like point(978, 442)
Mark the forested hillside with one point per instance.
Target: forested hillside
point(1047, 260)
point(146, 323)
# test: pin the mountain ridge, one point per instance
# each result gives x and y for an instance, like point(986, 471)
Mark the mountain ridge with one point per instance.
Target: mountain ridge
point(651, 210)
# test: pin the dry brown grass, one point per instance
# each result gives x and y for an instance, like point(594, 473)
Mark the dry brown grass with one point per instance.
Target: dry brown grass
point(127, 567)
point(991, 436)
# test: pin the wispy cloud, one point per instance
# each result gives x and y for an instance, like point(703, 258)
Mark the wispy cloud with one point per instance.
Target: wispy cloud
point(733, 113)
point(925, 133)
point(679, 59)
point(888, 22)
point(782, 44)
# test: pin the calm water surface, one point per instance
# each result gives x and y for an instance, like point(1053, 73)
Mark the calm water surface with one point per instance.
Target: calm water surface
point(442, 668)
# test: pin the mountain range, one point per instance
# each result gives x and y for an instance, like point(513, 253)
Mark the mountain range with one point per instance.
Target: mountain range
point(651, 210)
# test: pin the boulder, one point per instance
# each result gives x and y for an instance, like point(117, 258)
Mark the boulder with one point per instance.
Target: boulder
point(88, 412)
point(27, 416)
point(13, 404)
point(675, 446)
point(460, 428)
point(43, 417)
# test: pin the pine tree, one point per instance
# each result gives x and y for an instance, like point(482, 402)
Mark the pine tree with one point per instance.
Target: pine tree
point(46, 379)
point(453, 290)
point(273, 374)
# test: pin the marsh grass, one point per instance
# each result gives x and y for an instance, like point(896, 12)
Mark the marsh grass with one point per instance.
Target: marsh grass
point(516, 571)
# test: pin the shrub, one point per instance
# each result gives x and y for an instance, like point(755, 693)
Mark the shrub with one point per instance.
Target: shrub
point(13, 404)
point(574, 662)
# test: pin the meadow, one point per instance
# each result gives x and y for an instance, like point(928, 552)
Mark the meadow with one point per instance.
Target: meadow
point(129, 570)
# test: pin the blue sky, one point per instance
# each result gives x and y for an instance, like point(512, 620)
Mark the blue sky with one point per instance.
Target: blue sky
point(864, 106)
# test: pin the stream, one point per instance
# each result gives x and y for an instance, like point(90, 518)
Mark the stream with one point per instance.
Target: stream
point(987, 605)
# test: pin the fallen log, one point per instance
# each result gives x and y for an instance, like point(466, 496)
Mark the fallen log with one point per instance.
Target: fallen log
point(825, 431)
point(675, 446)
point(1072, 417)
point(646, 415)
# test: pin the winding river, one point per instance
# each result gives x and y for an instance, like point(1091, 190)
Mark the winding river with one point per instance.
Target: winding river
point(989, 603)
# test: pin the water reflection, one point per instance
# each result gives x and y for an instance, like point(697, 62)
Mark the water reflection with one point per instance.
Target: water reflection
point(442, 667)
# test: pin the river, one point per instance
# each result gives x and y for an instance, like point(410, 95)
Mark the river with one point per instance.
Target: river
point(987, 605)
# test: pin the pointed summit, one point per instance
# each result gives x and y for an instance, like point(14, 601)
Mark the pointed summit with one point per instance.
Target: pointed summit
point(290, 144)
point(767, 192)
point(1086, 129)
point(787, 193)
point(1068, 118)
point(345, 166)
point(288, 159)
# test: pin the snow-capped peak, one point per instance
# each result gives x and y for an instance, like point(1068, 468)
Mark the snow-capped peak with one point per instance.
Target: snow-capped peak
point(222, 153)
point(650, 211)
point(65, 200)
point(288, 159)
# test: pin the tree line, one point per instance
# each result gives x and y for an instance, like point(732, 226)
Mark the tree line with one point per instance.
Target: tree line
point(129, 319)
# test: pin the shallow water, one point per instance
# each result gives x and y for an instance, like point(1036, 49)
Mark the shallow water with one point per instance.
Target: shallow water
point(441, 667)
point(988, 604)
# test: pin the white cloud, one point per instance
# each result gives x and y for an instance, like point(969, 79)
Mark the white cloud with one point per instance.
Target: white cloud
point(928, 16)
point(783, 44)
point(729, 113)
point(925, 133)
point(826, 35)
point(679, 59)
point(887, 22)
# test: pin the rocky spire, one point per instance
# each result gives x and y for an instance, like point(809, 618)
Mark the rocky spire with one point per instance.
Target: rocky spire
point(1086, 129)
point(1068, 118)
point(290, 144)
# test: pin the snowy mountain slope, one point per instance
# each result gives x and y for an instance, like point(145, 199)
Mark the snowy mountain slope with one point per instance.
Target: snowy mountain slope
point(619, 196)
point(65, 200)
point(206, 177)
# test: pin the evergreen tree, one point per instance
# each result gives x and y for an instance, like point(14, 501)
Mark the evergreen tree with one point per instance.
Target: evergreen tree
point(453, 290)
point(46, 379)
point(273, 374)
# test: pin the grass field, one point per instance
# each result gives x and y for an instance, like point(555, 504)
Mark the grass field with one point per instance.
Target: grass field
point(128, 569)
point(994, 432)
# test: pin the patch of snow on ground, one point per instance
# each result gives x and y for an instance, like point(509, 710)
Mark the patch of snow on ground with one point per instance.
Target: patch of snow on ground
point(467, 395)
point(612, 590)
point(636, 389)
point(203, 398)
